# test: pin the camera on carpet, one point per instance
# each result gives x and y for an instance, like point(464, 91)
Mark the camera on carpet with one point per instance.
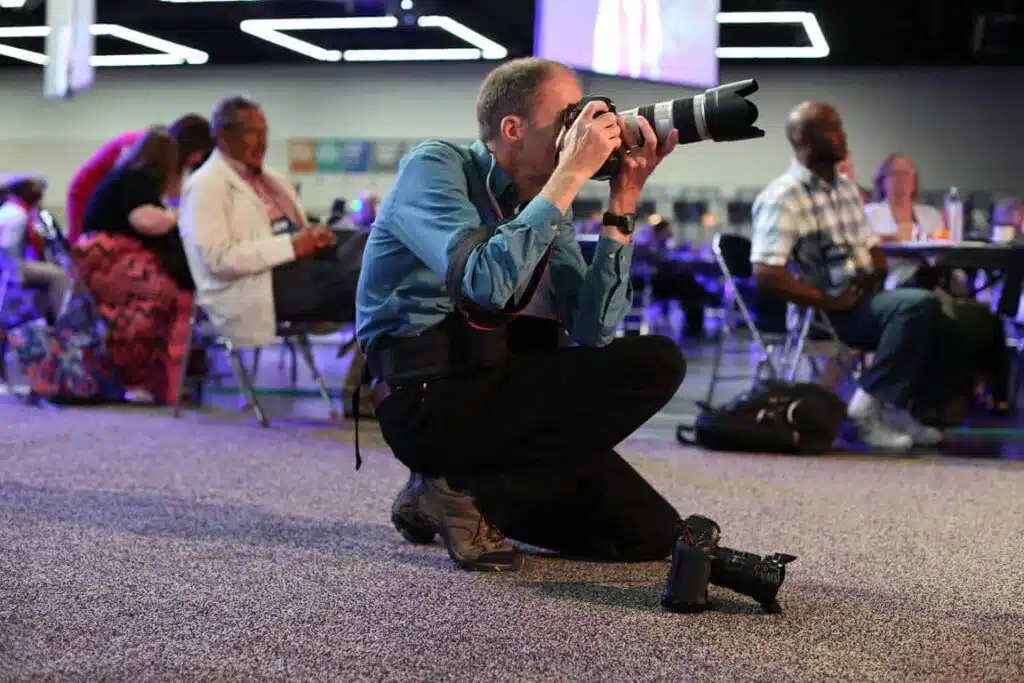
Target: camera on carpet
point(722, 114)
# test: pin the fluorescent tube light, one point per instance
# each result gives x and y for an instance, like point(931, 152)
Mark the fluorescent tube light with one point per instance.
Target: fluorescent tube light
point(455, 54)
point(271, 30)
point(818, 49)
point(488, 48)
point(165, 52)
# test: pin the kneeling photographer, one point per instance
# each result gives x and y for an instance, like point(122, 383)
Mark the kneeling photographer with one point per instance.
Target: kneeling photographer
point(516, 436)
point(471, 281)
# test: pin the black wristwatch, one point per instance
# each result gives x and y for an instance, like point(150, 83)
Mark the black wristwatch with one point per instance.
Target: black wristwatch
point(626, 223)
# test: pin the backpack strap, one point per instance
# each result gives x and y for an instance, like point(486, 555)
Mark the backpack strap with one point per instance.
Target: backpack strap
point(469, 242)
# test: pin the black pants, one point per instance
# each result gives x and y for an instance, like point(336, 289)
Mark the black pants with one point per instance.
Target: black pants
point(314, 291)
point(533, 442)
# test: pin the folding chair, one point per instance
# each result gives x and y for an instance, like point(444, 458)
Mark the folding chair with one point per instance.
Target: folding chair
point(732, 253)
point(295, 334)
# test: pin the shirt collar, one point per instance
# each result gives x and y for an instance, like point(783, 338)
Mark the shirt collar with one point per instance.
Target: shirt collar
point(500, 181)
point(810, 179)
point(241, 169)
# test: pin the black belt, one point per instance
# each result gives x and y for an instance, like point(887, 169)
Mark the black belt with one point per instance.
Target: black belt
point(449, 348)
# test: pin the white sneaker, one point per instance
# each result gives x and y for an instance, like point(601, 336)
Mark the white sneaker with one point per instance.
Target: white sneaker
point(865, 412)
point(903, 421)
point(873, 431)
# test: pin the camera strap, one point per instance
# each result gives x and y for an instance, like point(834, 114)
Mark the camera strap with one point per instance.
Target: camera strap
point(475, 315)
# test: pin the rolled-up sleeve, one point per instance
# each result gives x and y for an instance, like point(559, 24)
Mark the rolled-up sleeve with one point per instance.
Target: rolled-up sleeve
point(593, 299)
point(429, 207)
point(775, 229)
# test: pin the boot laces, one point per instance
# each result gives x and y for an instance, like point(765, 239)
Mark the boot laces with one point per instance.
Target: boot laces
point(488, 536)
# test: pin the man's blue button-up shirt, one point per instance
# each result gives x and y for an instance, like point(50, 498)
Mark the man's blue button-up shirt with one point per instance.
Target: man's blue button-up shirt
point(402, 289)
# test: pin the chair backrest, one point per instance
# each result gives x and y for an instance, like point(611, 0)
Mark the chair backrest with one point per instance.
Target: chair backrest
point(733, 255)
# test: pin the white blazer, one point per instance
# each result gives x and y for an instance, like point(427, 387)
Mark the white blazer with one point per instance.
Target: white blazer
point(231, 250)
point(927, 220)
point(880, 221)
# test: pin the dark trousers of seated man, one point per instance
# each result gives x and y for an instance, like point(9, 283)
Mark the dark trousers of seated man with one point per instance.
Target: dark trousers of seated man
point(317, 290)
point(533, 441)
point(914, 343)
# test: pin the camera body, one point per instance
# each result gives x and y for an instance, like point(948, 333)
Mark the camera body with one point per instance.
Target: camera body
point(721, 114)
point(614, 163)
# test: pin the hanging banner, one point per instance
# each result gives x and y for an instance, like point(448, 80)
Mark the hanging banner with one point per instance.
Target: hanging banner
point(301, 155)
point(334, 156)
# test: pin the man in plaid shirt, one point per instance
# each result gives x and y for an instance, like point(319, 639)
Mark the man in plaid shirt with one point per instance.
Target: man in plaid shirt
point(812, 218)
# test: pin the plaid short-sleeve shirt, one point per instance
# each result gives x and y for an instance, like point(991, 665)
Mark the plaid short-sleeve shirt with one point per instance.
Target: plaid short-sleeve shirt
point(820, 227)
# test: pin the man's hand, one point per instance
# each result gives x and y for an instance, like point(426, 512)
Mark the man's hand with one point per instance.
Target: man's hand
point(638, 162)
point(589, 141)
point(311, 240)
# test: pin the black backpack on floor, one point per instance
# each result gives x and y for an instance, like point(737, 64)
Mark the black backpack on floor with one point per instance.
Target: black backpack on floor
point(773, 417)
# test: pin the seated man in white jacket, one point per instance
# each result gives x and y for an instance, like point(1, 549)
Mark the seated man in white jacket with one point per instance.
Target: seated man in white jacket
point(255, 259)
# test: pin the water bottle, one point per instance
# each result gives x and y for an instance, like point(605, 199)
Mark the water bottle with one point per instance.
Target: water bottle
point(954, 215)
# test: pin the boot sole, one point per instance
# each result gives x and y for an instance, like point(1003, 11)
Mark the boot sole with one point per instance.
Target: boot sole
point(412, 533)
point(471, 566)
point(479, 566)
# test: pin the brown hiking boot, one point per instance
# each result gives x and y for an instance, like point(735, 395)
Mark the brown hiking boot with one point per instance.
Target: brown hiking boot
point(472, 542)
point(409, 515)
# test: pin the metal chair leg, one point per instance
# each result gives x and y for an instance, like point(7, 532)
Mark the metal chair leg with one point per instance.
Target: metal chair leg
point(287, 354)
point(254, 373)
point(301, 342)
point(183, 376)
point(347, 347)
point(716, 365)
point(245, 385)
point(294, 367)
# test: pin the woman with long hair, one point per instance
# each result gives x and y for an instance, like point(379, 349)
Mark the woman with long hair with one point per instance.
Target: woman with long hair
point(131, 259)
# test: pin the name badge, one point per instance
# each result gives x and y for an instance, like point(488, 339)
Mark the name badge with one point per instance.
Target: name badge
point(283, 226)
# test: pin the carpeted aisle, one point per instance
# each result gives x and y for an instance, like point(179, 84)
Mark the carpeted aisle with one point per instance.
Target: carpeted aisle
point(137, 548)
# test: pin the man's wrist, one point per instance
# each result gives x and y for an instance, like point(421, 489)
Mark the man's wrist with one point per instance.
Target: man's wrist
point(622, 204)
point(562, 188)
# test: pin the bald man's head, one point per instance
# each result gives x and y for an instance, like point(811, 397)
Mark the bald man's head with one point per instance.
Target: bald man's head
point(815, 131)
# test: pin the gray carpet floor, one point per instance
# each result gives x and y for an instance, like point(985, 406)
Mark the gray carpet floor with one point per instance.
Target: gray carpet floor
point(134, 547)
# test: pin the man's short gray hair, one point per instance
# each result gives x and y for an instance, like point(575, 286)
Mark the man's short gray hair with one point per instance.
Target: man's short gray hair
point(511, 90)
point(225, 112)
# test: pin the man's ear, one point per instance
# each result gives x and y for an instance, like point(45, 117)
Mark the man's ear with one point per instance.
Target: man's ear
point(512, 129)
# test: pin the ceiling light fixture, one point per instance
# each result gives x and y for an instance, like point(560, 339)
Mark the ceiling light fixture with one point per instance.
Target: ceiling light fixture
point(818, 49)
point(12, 4)
point(452, 54)
point(271, 31)
point(165, 52)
